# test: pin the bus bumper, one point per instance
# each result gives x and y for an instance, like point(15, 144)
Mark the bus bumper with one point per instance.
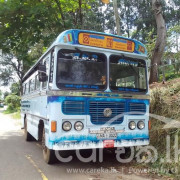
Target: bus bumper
point(98, 144)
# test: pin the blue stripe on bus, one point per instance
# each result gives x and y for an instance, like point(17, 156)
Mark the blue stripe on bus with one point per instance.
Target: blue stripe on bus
point(96, 36)
point(94, 138)
point(56, 99)
point(119, 40)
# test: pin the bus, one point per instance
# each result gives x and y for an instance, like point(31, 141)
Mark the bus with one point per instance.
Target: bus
point(89, 90)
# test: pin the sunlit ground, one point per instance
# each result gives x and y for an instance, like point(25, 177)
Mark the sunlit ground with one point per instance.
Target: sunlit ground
point(7, 126)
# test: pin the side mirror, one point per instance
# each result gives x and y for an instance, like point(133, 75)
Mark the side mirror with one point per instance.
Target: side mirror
point(42, 73)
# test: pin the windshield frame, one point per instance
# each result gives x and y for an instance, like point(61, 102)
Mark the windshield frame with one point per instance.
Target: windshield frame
point(59, 85)
point(128, 89)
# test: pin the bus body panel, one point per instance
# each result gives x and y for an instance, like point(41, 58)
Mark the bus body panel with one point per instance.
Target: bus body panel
point(73, 139)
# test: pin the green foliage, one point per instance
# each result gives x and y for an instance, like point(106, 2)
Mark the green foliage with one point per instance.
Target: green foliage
point(143, 19)
point(13, 102)
point(15, 89)
point(1, 98)
point(27, 28)
point(94, 18)
point(6, 70)
point(5, 94)
point(134, 15)
point(37, 20)
point(169, 76)
point(150, 43)
point(175, 29)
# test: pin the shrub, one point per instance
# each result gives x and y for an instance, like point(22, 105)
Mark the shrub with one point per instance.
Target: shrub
point(169, 76)
point(13, 102)
point(165, 101)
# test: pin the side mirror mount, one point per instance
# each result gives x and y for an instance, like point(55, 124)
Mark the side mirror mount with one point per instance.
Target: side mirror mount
point(42, 73)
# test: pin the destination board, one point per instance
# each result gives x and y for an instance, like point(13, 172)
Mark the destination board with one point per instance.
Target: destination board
point(103, 41)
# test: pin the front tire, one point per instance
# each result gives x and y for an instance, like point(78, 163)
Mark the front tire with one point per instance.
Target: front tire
point(27, 135)
point(48, 154)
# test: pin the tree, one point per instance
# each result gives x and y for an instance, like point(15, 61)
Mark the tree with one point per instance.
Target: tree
point(23, 24)
point(15, 89)
point(27, 28)
point(117, 18)
point(160, 41)
point(94, 18)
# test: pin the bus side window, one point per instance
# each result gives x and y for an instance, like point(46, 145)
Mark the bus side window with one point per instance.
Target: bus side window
point(37, 83)
point(51, 69)
point(31, 85)
point(24, 89)
point(29, 89)
point(46, 63)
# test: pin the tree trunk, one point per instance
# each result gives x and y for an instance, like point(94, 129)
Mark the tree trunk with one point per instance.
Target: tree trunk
point(117, 18)
point(80, 13)
point(160, 41)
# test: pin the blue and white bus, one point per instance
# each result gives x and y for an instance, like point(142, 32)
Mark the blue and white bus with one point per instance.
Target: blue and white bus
point(88, 90)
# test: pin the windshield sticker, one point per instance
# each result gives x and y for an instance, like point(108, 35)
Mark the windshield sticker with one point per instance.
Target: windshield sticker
point(67, 38)
point(81, 86)
point(84, 57)
point(127, 62)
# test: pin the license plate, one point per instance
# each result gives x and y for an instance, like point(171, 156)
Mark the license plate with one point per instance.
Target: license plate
point(108, 143)
point(107, 136)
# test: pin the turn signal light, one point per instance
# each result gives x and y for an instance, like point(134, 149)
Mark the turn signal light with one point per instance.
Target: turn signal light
point(53, 126)
point(149, 124)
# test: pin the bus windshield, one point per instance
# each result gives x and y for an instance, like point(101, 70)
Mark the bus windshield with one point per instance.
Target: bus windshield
point(81, 70)
point(127, 74)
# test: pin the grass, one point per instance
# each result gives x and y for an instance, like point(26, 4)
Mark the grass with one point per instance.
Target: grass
point(9, 111)
point(16, 115)
point(165, 101)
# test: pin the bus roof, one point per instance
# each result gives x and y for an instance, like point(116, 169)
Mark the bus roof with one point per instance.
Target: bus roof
point(95, 39)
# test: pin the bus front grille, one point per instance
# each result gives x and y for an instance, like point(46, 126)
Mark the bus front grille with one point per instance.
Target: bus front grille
point(137, 108)
point(96, 111)
point(73, 107)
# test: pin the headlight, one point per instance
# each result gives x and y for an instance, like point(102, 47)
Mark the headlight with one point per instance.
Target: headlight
point(66, 126)
point(140, 125)
point(132, 125)
point(78, 126)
